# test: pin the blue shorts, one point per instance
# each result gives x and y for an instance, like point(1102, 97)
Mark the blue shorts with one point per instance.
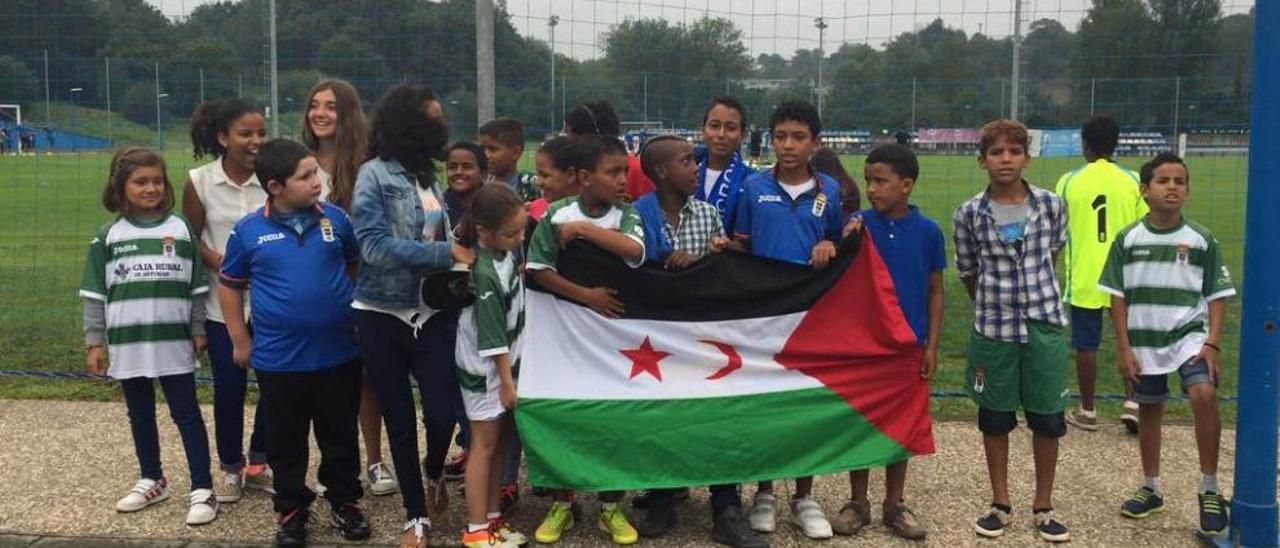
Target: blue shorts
point(1086, 328)
point(1153, 389)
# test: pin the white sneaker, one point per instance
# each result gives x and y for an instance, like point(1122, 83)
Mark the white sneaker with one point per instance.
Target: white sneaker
point(381, 480)
point(807, 514)
point(764, 513)
point(204, 507)
point(1130, 416)
point(232, 487)
point(144, 493)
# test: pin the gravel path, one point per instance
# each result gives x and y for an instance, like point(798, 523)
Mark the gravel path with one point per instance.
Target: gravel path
point(63, 465)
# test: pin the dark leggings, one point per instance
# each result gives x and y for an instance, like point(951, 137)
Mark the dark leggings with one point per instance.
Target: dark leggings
point(229, 383)
point(393, 356)
point(180, 392)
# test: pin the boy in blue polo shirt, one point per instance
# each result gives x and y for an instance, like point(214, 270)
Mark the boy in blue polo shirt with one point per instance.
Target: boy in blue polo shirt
point(914, 251)
point(297, 256)
point(790, 214)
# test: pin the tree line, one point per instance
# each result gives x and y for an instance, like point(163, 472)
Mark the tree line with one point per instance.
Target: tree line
point(1134, 59)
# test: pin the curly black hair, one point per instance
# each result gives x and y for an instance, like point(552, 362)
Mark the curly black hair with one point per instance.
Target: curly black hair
point(401, 130)
point(796, 111)
point(1101, 134)
point(593, 118)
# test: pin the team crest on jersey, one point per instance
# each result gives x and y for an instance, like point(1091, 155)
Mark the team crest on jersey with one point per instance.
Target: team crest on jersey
point(1183, 255)
point(326, 229)
point(819, 204)
point(170, 247)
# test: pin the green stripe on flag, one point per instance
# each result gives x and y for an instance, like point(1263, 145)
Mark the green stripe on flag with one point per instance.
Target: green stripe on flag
point(604, 445)
point(148, 333)
point(1159, 339)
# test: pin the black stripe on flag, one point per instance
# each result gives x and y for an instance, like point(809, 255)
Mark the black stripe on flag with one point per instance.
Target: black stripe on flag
point(722, 286)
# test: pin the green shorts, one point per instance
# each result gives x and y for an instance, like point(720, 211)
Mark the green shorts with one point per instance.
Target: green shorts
point(1003, 376)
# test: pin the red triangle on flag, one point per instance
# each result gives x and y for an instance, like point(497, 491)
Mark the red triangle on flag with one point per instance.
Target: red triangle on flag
point(856, 341)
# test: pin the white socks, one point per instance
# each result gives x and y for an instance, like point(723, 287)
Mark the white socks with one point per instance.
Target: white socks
point(1153, 483)
point(1209, 482)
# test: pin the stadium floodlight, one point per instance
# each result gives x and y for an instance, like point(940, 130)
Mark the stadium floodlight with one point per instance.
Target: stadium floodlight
point(821, 25)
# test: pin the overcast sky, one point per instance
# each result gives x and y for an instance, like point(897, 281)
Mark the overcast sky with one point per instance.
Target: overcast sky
point(774, 26)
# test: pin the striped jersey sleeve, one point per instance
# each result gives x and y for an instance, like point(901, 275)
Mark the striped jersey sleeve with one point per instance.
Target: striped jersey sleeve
point(93, 285)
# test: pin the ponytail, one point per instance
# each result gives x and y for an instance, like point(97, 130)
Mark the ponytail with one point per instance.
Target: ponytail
point(492, 204)
point(213, 117)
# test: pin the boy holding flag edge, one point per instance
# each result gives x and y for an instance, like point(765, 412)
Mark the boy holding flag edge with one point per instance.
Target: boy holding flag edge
point(914, 251)
point(601, 216)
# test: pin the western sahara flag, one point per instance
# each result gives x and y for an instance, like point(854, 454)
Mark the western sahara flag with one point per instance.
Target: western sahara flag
point(738, 369)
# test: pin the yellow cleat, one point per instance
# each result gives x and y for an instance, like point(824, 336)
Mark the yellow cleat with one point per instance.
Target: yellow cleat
point(614, 522)
point(559, 520)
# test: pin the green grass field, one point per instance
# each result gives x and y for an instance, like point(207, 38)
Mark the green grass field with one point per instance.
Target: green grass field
point(52, 204)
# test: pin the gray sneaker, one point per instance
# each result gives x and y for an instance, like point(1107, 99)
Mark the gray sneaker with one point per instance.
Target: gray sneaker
point(231, 488)
point(764, 513)
point(1129, 417)
point(1087, 421)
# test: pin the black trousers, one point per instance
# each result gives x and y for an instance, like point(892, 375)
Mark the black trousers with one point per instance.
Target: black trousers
point(329, 400)
point(394, 354)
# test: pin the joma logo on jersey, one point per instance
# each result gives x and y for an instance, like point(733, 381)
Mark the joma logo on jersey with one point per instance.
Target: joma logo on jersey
point(768, 198)
point(126, 248)
point(270, 238)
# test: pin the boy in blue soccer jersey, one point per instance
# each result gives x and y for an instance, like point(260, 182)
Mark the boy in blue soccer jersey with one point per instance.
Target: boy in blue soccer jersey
point(914, 251)
point(792, 214)
point(298, 256)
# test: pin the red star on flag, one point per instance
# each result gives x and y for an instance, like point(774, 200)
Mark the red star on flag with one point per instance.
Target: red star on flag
point(645, 359)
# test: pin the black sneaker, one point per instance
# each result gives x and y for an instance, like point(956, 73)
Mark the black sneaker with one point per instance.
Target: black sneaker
point(642, 501)
point(730, 528)
point(291, 527)
point(1213, 513)
point(1049, 527)
point(350, 521)
point(993, 524)
point(1144, 503)
point(660, 519)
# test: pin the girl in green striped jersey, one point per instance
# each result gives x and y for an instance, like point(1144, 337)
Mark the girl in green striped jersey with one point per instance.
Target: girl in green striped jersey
point(141, 289)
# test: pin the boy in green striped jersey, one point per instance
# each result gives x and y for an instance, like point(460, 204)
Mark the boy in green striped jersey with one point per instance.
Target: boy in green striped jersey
point(1168, 288)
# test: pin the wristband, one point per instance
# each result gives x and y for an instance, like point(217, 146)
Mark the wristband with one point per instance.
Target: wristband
point(1215, 347)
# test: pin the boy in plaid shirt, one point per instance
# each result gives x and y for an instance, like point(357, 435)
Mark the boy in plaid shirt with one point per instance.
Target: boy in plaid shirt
point(1007, 239)
point(678, 230)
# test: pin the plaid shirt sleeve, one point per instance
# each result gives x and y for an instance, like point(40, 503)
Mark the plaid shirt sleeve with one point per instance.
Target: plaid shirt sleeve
point(699, 223)
point(966, 247)
point(1058, 212)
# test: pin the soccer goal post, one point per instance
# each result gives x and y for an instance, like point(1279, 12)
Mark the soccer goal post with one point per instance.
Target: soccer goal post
point(16, 117)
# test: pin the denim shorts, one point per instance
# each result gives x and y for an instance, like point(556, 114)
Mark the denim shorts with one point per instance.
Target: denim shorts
point(1152, 389)
point(1086, 328)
